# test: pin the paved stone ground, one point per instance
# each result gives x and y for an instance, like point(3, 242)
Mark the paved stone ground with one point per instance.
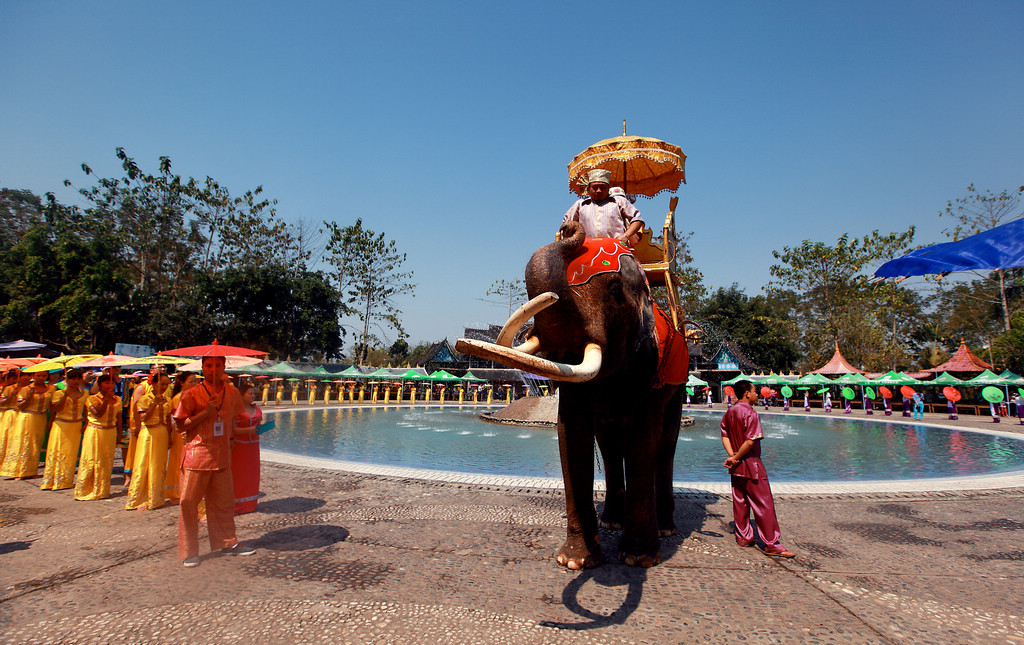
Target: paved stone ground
point(355, 558)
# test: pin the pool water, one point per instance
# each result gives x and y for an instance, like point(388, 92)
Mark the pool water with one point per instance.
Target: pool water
point(795, 449)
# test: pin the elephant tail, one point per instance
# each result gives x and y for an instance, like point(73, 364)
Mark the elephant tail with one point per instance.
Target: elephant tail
point(571, 236)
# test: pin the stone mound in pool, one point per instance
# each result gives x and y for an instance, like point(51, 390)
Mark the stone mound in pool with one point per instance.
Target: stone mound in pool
point(538, 411)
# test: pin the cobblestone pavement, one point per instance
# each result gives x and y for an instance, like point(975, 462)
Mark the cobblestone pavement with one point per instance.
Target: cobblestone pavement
point(355, 558)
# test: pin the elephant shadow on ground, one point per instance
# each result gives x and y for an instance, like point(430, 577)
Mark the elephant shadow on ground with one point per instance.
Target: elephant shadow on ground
point(690, 516)
point(302, 538)
point(608, 575)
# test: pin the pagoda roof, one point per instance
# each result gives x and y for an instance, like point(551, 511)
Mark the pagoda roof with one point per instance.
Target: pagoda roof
point(838, 365)
point(964, 360)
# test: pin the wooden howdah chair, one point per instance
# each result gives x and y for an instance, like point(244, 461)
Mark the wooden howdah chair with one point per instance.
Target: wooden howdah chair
point(659, 261)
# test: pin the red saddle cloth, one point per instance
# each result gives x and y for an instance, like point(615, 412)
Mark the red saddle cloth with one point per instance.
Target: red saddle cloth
point(597, 255)
point(673, 356)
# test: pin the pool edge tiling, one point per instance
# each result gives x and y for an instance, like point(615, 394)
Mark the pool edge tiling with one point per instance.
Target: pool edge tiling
point(1012, 479)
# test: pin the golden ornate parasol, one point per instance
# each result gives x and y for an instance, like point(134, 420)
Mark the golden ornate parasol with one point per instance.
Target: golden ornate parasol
point(640, 165)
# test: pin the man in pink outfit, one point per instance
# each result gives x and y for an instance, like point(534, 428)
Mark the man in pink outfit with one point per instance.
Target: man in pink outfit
point(741, 437)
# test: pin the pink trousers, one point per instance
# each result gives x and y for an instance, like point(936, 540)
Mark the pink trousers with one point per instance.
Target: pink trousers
point(754, 495)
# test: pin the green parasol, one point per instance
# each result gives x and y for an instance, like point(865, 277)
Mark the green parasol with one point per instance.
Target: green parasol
point(992, 394)
point(869, 393)
point(786, 391)
point(848, 393)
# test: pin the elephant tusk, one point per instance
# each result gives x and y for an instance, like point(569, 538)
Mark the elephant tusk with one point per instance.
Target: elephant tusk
point(553, 370)
point(531, 345)
point(524, 313)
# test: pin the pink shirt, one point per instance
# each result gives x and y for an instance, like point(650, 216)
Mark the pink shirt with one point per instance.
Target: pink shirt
point(609, 218)
point(740, 423)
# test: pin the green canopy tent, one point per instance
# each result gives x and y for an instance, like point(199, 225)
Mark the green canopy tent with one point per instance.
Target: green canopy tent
point(413, 375)
point(744, 377)
point(351, 372)
point(470, 376)
point(988, 377)
point(853, 378)
point(1011, 379)
point(813, 379)
point(892, 378)
point(944, 379)
point(441, 375)
point(284, 370)
point(693, 381)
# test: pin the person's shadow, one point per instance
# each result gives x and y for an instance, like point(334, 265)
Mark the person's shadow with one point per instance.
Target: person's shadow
point(690, 515)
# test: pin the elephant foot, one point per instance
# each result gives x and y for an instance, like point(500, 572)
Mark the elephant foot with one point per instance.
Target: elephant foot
point(640, 560)
point(612, 526)
point(669, 532)
point(578, 554)
point(637, 552)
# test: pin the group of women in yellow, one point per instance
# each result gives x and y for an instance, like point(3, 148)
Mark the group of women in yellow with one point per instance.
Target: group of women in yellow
point(75, 425)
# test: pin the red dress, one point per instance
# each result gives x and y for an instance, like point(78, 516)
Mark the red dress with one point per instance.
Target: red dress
point(245, 463)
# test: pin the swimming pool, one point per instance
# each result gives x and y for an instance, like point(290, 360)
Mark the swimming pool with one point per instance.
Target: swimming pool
point(795, 449)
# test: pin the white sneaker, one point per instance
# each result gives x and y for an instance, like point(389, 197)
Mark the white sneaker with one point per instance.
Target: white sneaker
point(189, 563)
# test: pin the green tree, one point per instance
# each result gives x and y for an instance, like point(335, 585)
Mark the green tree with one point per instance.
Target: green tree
point(762, 325)
point(370, 278)
point(20, 210)
point(264, 307)
point(512, 292)
point(982, 211)
point(833, 296)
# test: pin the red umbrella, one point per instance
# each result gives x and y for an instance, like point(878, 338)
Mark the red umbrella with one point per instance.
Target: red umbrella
point(951, 393)
point(729, 391)
point(885, 392)
point(907, 391)
point(766, 391)
point(213, 349)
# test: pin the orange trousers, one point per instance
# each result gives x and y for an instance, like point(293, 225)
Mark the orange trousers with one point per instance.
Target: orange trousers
point(215, 486)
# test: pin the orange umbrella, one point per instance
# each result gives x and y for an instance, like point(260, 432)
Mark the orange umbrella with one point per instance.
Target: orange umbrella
point(640, 165)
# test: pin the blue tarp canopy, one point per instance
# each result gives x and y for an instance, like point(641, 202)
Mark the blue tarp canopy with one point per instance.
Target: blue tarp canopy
point(999, 248)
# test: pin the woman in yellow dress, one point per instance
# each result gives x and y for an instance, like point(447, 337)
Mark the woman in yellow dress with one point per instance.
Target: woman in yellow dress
point(8, 397)
point(183, 382)
point(68, 412)
point(99, 442)
point(21, 460)
point(153, 412)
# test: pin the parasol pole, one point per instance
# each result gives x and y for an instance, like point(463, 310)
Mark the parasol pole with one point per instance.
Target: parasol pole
point(624, 187)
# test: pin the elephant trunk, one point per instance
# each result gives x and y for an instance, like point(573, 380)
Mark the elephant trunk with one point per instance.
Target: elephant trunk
point(585, 371)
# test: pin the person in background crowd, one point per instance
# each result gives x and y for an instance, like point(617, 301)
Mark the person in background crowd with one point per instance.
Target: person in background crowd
point(183, 382)
point(151, 446)
point(68, 412)
point(25, 437)
point(245, 453)
point(8, 411)
point(96, 464)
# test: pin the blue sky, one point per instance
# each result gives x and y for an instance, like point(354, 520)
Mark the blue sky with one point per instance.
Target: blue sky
point(448, 126)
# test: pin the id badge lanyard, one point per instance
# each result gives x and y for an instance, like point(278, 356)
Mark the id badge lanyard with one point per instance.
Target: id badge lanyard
point(218, 425)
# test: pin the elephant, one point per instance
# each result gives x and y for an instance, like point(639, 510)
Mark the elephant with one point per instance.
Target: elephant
point(595, 331)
